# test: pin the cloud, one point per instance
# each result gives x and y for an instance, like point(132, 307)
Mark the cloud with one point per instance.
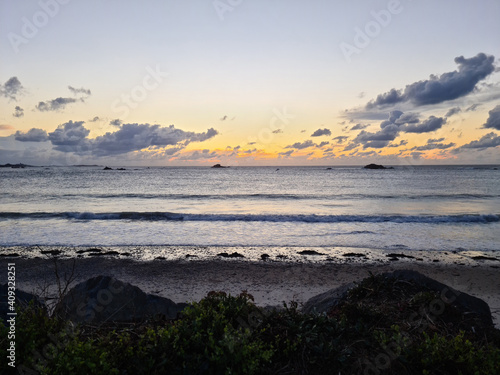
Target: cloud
point(286, 153)
point(359, 126)
point(6, 127)
point(71, 136)
point(96, 118)
point(340, 138)
point(79, 91)
point(277, 131)
point(453, 111)
point(391, 128)
point(472, 108)
point(323, 144)
point(134, 137)
point(429, 125)
point(116, 122)
point(12, 88)
point(302, 145)
point(320, 132)
point(303, 131)
point(18, 112)
point(438, 89)
point(33, 135)
point(433, 144)
point(223, 118)
point(403, 142)
point(487, 141)
point(251, 143)
point(55, 104)
point(493, 120)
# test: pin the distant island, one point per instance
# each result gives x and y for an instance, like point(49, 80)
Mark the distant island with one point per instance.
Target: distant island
point(19, 165)
point(218, 166)
point(376, 166)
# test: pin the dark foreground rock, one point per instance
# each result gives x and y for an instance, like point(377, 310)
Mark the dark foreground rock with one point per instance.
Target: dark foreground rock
point(474, 309)
point(106, 299)
point(22, 299)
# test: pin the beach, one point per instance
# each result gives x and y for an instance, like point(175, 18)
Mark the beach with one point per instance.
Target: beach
point(270, 282)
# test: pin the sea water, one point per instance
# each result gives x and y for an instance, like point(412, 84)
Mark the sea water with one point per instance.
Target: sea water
point(437, 208)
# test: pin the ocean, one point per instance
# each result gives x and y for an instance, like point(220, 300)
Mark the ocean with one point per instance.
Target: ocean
point(432, 208)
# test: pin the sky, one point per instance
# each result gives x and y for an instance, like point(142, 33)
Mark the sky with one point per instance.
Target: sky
point(240, 82)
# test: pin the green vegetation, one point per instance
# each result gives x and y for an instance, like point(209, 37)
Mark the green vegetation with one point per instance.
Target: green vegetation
point(381, 328)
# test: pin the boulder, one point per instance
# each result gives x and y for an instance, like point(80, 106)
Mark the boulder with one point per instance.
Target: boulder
point(105, 299)
point(218, 166)
point(22, 300)
point(467, 304)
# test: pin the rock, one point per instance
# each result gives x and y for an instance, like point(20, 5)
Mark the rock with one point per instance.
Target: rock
point(106, 299)
point(310, 252)
point(232, 255)
point(107, 169)
point(393, 255)
point(374, 166)
point(264, 257)
point(468, 305)
point(482, 257)
point(356, 255)
point(51, 252)
point(120, 169)
point(218, 166)
point(22, 299)
point(324, 302)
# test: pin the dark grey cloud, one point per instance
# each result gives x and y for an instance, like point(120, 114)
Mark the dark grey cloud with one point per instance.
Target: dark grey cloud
point(340, 138)
point(438, 89)
point(406, 118)
point(11, 89)
point(96, 118)
point(398, 122)
point(73, 137)
point(493, 120)
point(277, 131)
point(32, 135)
point(360, 126)
point(286, 153)
point(116, 122)
point(429, 125)
point(403, 142)
point(55, 104)
point(320, 132)
point(302, 145)
point(251, 143)
point(433, 144)
point(223, 118)
point(486, 141)
point(453, 111)
point(18, 112)
point(134, 137)
point(70, 137)
point(79, 91)
point(323, 144)
point(472, 108)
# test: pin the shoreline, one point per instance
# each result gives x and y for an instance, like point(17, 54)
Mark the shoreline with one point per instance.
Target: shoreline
point(270, 282)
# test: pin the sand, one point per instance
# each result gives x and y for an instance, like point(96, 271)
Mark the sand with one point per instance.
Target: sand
point(270, 282)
